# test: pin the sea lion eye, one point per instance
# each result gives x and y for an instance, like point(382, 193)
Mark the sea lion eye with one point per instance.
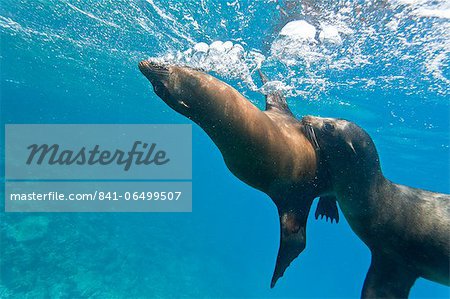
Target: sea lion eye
point(327, 127)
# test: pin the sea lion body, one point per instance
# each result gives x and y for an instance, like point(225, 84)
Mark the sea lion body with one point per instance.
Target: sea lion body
point(265, 149)
point(241, 131)
point(406, 229)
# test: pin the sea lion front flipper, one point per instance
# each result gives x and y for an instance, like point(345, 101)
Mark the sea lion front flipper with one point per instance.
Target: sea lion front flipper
point(274, 99)
point(292, 243)
point(292, 237)
point(327, 207)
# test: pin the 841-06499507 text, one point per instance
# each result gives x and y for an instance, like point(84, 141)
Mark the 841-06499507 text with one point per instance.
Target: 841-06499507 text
point(150, 195)
point(83, 196)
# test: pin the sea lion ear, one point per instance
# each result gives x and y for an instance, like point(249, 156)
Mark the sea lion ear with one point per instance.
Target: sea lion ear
point(350, 144)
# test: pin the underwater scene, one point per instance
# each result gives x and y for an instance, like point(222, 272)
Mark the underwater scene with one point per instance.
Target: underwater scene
point(373, 70)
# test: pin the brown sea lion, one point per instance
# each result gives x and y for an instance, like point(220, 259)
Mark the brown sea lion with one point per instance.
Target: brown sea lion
point(265, 149)
point(407, 230)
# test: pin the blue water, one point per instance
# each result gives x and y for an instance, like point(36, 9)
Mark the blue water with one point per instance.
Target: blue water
point(76, 62)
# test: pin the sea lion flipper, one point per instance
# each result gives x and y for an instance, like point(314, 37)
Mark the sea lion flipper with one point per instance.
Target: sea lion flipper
point(327, 207)
point(387, 279)
point(292, 243)
point(274, 99)
point(263, 77)
point(292, 237)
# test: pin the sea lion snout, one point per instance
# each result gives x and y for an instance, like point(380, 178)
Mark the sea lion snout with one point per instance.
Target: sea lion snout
point(154, 71)
point(159, 75)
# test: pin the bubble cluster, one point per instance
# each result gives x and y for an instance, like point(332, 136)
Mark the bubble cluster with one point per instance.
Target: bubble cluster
point(225, 58)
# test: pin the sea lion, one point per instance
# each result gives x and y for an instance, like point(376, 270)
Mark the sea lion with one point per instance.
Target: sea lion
point(265, 149)
point(407, 230)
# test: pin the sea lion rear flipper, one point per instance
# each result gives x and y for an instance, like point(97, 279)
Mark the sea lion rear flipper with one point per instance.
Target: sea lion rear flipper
point(274, 99)
point(292, 238)
point(327, 207)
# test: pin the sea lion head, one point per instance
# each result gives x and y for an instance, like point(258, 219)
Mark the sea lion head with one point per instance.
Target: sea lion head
point(344, 147)
point(174, 85)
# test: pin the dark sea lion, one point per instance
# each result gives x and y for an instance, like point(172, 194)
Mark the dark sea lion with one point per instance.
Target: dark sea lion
point(406, 229)
point(265, 149)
